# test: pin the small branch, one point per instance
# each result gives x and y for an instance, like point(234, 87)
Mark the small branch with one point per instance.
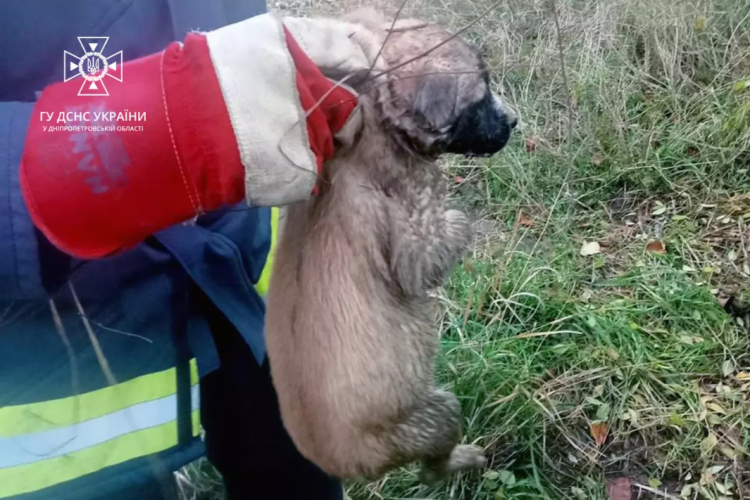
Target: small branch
point(387, 36)
point(662, 494)
point(101, 358)
point(437, 46)
point(561, 53)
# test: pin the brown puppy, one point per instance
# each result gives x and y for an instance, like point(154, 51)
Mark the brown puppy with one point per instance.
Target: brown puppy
point(351, 331)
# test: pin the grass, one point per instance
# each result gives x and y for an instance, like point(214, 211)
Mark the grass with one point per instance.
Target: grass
point(647, 146)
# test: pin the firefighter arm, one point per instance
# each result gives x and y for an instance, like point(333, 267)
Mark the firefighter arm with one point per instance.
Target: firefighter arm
point(30, 267)
point(243, 113)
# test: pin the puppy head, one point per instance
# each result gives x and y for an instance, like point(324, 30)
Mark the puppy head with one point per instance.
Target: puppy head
point(440, 102)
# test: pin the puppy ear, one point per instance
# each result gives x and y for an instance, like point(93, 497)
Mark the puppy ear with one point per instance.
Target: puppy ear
point(435, 99)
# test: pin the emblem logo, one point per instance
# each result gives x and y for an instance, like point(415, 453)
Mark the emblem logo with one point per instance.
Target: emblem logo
point(93, 66)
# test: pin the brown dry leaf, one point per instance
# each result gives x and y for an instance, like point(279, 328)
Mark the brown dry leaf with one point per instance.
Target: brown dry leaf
point(620, 489)
point(524, 221)
point(530, 145)
point(656, 246)
point(599, 432)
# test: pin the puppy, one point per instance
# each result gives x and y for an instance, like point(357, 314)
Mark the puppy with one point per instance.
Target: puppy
point(350, 328)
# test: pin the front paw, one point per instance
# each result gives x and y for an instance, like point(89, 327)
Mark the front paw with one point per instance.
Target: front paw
point(460, 231)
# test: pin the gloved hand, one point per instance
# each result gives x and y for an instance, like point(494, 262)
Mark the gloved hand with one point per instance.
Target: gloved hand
point(225, 121)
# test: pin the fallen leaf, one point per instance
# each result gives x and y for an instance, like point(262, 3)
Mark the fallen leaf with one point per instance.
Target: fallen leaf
point(656, 247)
point(714, 420)
point(620, 489)
point(690, 339)
point(743, 376)
point(591, 248)
point(715, 469)
point(602, 413)
point(716, 408)
point(578, 492)
point(633, 416)
point(686, 490)
point(492, 475)
point(507, 478)
point(677, 420)
point(709, 442)
point(525, 221)
point(659, 209)
point(727, 368)
point(598, 432)
point(700, 23)
point(593, 401)
point(530, 145)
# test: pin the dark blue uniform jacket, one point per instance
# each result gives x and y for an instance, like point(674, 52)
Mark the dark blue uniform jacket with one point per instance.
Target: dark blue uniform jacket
point(142, 293)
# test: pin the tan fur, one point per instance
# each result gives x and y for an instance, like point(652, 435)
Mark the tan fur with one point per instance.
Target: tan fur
point(351, 331)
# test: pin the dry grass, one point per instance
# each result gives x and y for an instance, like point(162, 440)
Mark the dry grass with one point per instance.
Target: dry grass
point(648, 141)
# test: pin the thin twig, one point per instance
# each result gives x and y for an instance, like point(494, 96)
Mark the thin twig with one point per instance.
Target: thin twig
point(387, 36)
point(101, 358)
point(437, 46)
point(120, 332)
point(74, 378)
point(662, 494)
point(157, 465)
point(561, 52)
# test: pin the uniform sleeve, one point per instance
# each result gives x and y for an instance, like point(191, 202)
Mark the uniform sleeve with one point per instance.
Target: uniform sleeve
point(22, 246)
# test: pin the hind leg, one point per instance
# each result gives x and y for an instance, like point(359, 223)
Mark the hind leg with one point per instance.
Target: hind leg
point(430, 434)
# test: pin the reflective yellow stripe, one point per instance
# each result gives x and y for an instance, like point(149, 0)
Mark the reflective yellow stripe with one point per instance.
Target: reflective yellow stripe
point(46, 415)
point(40, 475)
point(265, 277)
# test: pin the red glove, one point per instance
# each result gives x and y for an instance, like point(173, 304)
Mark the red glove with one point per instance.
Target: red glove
point(222, 117)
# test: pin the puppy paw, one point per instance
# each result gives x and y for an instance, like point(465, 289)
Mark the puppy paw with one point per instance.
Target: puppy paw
point(462, 458)
point(460, 232)
point(466, 457)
